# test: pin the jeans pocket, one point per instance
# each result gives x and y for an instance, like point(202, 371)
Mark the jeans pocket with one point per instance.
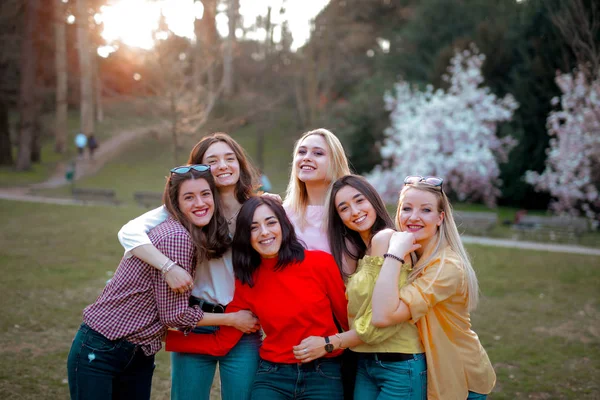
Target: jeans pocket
point(265, 367)
point(97, 342)
point(330, 370)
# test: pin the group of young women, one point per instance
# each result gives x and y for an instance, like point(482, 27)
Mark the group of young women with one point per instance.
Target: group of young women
point(316, 298)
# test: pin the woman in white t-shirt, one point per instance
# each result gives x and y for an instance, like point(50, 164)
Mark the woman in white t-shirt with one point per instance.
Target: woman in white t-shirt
point(192, 374)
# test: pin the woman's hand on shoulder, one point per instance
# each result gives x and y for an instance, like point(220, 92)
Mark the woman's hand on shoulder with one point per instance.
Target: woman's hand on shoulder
point(380, 242)
point(273, 196)
point(244, 321)
point(402, 243)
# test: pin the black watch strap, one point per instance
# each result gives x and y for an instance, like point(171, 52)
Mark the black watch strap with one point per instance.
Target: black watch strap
point(328, 345)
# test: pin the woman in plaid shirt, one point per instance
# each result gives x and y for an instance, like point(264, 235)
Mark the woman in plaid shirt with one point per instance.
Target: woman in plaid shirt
point(112, 355)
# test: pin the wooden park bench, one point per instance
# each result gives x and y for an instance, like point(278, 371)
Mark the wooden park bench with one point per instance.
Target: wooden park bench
point(475, 222)
point(95, 195)
point(148, 199)
point(555, 228)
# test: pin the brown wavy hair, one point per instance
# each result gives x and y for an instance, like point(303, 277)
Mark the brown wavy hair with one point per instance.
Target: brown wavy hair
point(211, 241)
point(248, 182)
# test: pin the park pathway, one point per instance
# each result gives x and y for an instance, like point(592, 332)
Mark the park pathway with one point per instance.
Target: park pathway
point(83, 167)
point(517, 244)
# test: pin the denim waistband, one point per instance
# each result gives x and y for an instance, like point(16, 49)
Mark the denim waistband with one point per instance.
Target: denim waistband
point(309, 366)
point(122, 343)
point(389, 357)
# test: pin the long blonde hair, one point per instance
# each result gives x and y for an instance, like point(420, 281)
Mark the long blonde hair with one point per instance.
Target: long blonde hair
point(447, 236)
point(296, 196)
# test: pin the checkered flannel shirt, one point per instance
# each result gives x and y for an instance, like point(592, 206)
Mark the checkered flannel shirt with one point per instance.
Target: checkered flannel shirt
point(137, 304)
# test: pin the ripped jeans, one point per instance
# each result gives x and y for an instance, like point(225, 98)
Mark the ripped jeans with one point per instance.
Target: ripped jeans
point(103, 369)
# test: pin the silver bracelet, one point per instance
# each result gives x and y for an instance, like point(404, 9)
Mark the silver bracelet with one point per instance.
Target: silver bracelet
point(167, 266)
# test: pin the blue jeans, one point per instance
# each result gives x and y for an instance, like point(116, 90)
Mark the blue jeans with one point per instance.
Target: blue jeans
point(383, 380)
point(192, 374)
point(99, 368)
point(476, 396)
point(318, 380)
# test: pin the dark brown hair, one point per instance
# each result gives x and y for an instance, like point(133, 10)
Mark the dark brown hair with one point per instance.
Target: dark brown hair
point(248, 182)
point(339, 235)
point(246, 260)
point(210, 241)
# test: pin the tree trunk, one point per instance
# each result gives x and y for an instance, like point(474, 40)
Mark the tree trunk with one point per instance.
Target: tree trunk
point(211, 47)
point(85, 67)
point(60, 133)
point(98, 90)
point(36, 146)
point(6, 157)
point(232, 14)
point(198, 50)
point(27, 88)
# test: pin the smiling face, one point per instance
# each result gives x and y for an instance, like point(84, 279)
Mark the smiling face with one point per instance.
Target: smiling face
point(355, 211)
point(196, 201)
point(420, 215)
point(312, 159)
point(265, 232)
point(223, 163)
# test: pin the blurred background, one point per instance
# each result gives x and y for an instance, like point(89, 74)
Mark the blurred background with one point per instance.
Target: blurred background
point(100, 98)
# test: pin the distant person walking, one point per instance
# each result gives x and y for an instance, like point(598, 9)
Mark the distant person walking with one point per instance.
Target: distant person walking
point(80, 141)
point(92, 145)
point(265, 183)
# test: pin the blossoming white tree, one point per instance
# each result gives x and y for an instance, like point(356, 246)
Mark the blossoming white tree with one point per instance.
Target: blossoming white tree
point(449, 133)
point(572, 174)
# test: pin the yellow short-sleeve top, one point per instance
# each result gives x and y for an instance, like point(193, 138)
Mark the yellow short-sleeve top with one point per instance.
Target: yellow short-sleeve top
point(400, 338)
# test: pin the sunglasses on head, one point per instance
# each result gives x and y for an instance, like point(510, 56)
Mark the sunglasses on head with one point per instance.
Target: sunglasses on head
point(430, 180)
point(184, 169)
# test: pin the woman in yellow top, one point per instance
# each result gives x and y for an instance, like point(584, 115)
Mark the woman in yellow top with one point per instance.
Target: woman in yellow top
point(442, 291)
point(391, 360)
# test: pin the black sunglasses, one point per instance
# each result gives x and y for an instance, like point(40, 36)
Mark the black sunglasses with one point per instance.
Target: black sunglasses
point(430, 180)
point(184, 169)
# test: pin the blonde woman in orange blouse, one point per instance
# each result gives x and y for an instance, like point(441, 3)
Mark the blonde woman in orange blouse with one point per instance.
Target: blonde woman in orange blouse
point(442, 291)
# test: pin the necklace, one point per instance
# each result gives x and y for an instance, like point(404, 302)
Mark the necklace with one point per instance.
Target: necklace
point(230, 220)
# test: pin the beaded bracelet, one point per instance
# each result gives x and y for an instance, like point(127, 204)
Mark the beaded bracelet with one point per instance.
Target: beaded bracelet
point(386, 255)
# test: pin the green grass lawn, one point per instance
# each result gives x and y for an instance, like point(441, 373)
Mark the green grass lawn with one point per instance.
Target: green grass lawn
point(539, 317)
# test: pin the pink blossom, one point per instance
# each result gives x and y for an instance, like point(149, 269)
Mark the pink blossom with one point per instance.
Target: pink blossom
point(571, 175)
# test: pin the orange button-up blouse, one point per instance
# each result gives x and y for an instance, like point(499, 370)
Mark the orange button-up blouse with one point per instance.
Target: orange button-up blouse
point(456, 361)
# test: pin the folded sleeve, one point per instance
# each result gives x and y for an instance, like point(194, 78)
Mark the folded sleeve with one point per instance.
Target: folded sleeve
point(214, 344)
point(135, 233)
point(438, 282)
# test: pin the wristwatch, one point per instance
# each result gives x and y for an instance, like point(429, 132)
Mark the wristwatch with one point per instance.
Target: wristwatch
point(328, 346)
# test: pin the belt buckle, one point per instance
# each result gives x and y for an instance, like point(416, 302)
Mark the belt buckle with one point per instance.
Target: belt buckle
point(218, 308)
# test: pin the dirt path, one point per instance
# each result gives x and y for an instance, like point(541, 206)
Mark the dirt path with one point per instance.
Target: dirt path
point(83, 167)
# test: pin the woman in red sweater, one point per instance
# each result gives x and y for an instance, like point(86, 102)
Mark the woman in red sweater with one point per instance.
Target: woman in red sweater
point(294, 293)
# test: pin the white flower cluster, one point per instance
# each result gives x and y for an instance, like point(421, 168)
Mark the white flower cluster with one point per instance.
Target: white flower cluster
point(572, 173)
point(451, 134)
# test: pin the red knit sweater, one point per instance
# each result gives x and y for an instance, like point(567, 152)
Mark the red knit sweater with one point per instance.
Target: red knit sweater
point(292, 304)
